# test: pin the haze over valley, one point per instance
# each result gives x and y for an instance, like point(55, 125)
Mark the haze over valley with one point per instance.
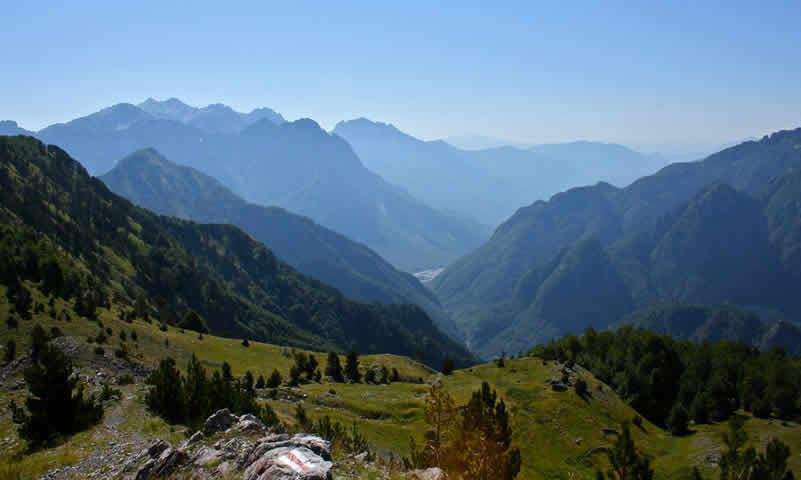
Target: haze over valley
point(400, 242)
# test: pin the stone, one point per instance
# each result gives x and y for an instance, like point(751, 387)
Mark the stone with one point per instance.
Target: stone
point(163, 460)
point(427, 474)
point(289, 463)
point(196, 437)
point(250, 424)
point(219, 421)
point(310, 442)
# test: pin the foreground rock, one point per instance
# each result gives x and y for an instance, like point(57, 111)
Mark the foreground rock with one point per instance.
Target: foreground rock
point(427, 474)
point(236, 447)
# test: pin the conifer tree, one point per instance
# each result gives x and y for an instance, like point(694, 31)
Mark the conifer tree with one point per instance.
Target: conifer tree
point(333, 368)
point(352, 367)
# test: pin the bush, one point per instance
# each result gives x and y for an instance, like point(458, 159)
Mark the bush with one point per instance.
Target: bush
point(121, 352)
point(163, 327)
point(99, 350)
point(581, 387)
point(123, 336)
point(193, 321)
point(678, 420)
point(447, 366)
point(11, 351)
point(134, 337)
point(637, 421)
point(126, 379)
point(107, 393)
point(56, 332)
point(12, 321)
point(260, 383)
point(245, 342)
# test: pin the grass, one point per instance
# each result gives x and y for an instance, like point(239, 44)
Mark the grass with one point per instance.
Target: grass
point(552, 429)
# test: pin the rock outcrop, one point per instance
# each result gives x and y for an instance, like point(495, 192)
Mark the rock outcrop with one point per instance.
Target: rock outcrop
point(241, 447)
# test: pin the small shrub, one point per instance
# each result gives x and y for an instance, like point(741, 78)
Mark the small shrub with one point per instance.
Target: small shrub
point(121, 352)
point(447, 366)
point(12, 321)
point(109, 332)
point(99, 350)
point(11, 351)
point(107, 393)
point(245, 342)
point(56, 332)
point(123, 336)
point(637, 421)
point(126, 379)
point(163, 327)
point(581, 387)
point(134, 337)
point(101, 337)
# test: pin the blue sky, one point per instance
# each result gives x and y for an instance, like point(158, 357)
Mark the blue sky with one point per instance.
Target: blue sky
point(639, 73)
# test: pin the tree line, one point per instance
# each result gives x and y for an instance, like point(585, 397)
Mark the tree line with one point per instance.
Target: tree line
point(671, 381)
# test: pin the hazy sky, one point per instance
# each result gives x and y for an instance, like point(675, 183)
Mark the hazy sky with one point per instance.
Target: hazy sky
point(634, 72)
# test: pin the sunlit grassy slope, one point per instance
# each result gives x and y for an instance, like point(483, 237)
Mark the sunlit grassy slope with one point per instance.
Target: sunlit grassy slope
point(553, 429)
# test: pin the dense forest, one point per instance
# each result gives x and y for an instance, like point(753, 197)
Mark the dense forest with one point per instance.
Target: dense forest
point(66, 229)
point(673, 381)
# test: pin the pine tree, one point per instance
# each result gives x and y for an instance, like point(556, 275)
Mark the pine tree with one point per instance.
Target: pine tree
point(333, 368)
point(352, 367)
point(627, 463)
point(482, 448)
point(167, 395)
point(53, 407)
point(196, 390)
point(260, 383)
point(275, 379)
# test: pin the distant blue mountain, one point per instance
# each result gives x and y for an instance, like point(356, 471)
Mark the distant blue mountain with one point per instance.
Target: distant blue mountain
point(295, 165)
point(489, 184)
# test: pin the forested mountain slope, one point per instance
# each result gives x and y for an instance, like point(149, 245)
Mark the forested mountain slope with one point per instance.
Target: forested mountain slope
point(295, 165)
point(149, 180)
point(67, 229)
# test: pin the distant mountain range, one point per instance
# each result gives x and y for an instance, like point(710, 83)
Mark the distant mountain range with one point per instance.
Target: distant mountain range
point(215, 118)
point(489, 184)
point(723, 230)
point(294, 165)
point(149, 180)
point(97, 248)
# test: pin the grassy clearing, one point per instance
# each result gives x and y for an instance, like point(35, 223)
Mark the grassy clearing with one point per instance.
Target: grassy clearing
point(552, 429)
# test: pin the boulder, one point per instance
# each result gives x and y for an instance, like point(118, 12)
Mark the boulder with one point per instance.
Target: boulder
point(427, 474)
point(162, 465)
point(289, 463)
point(250, 424)
point(310, 442)
point(219, 421)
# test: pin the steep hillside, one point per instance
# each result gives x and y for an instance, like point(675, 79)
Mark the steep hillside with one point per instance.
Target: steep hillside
point(103, 247)
point(294, 165)
point(153, 182)
point(489, 184)
point(537, 233)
